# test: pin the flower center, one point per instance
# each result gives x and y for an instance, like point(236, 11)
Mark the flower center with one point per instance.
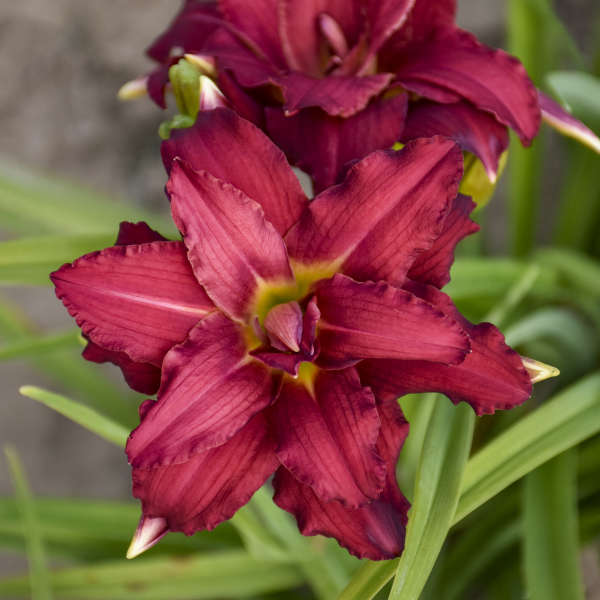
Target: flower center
point(287, 337)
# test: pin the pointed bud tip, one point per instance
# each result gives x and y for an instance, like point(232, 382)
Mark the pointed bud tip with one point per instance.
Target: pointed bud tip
point(133, 89)
point(210, 95)
point(150, 531)
point(205, 64)
point(539, 371)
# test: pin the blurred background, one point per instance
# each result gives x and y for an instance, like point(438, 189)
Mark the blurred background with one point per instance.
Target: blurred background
point(61, 64)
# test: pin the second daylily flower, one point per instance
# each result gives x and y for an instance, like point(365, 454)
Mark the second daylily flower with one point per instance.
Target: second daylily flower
point(285, 329)
point(358, 75)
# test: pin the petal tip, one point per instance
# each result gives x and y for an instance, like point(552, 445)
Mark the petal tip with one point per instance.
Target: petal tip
point(539, 371)
point(150, 531)
point(133, 89)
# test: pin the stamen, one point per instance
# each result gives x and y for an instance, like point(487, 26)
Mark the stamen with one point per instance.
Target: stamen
point(204, 63)
point(334, 35)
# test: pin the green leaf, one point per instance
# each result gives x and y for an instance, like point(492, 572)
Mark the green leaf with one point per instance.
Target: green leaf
point(231, 574)
point(417, 409)
point(65, 367)
point(563, 329)
point(573, 268)
point(437, 487)
point(31, 202)
point(85, 530)
point(561, 423)
point(257, 539)
point(38, 581)
point(492, 278)
point(86, 417)
point(40, 345)
point(580, 92)
point(31, 260)
point(369, 580)
point(318, 559)
point(551, 543)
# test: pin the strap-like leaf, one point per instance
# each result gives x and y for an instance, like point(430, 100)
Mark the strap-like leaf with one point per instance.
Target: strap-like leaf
point(86, 417)
point(39, 583)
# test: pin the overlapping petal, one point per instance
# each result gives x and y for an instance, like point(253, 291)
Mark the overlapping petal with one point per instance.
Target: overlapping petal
point(390, 207)
point(300, 36)
point(209, 390)
point(472, 129)
point(327, 439)
point(141, 377)
point(335, 141)
point(139, 299)
point(385, 17)
point(260, 171)
point(189, 30)
point(433, 265)
point(338, 96)
point(259, 20)
point(376, 530)
point(454, 64)
point(210, 487)
point(422, 22)
point(492, 376)
point(231, 246)
point(377, 320)
point(556, 116)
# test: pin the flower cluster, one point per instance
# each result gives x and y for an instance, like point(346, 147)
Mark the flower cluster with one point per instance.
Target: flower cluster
point(279, 331)
point(282, 330)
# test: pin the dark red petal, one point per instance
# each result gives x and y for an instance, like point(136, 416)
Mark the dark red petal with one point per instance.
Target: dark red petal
point(301, 37)
point(377, 320)
point(492, 80)
point(156, 84)
point(385, 17)
point(375, 531)
point(556, 116)
point(328, 441)
point(209, 391)
point(424, 19)
point(312, 314)
point(139, 299)
point(259, 20)
point(137, 233)
point(231, 246)
point(433, 265)
point(390, 207)
point(283, 325)
point(141, 377)
point(290, 362)
point(236, 53)
point(243, 104)
point(210, 487)
point(232, 149)
point(340, 95)
point(335, 141)
point(472, 129)
point(188, 31)
point(492, 376)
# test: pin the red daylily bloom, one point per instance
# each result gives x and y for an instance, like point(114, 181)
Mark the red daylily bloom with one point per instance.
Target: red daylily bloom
point(332, 81)
point(284, 330)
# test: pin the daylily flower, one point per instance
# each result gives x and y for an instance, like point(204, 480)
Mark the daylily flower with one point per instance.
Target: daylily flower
point(284, 331)
point(331, 81)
